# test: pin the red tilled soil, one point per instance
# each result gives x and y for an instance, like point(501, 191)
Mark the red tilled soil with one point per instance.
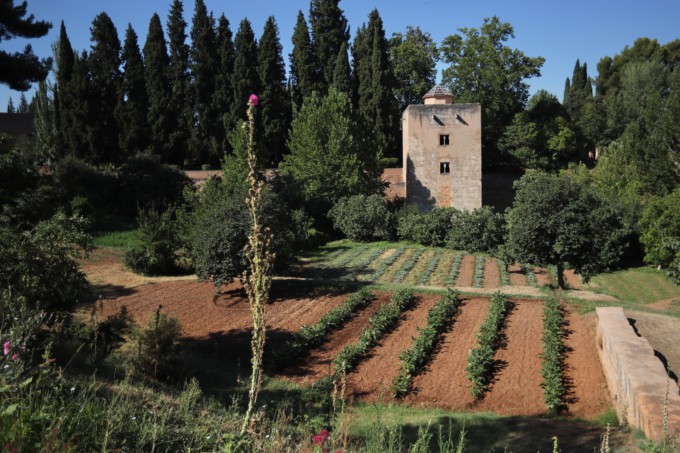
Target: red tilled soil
point(516, 389)
point(445, 381)
point(466, 273)
point(492, 274)
point(318, 363)
point(375, 374)
point(587, 392)
point(573, 281)
point(543, 277)
point(517, 277)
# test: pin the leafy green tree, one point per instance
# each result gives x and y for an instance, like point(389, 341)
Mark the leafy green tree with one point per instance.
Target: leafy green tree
point(203, 61)
point(245, 80)
point(660, 229)
point(363, 218)
point(21, 69)
point(342, 76)
point(178, 77)
point(329, 31)
point(555, 220)
point(133, 107)
point(160, 116)
point(224, 90)
point(274, 108)
point(105, 91)
point(414, 57)
point(330, 158)
point(303, 67)
point(482, 68)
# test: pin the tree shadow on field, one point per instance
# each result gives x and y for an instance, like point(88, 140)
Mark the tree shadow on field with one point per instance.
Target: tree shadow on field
point(108, 291)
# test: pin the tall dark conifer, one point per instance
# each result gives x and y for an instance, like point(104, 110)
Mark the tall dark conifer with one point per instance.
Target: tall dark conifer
point(204, 60)
point(245, 80)
point(160, 116)
point(62, 98)
point(303, 68)
point(224, 90)
point(134, 104)
point(105, 76)
point(10, 106)
point(329, 31)
point(342, 76)
point(178, 77)
point(79, 114)
point(275, 108)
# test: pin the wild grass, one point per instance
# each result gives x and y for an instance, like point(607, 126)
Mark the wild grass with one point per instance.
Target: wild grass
point(641, 285)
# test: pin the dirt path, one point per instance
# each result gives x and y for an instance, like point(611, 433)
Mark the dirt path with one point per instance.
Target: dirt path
point(517, 277)
point(374, 375)
point(543, 276)
point(445, 383)
point(587, 395)
point(492, 274)
point(466, 273)
point(516, 389)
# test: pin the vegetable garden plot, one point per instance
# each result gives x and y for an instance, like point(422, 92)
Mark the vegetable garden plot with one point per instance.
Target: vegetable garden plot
point(467, 271)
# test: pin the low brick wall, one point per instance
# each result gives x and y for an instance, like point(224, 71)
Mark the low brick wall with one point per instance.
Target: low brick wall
point(636, 377)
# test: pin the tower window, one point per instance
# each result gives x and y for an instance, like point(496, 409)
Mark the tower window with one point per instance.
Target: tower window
point(444, 168)
point(443, 140)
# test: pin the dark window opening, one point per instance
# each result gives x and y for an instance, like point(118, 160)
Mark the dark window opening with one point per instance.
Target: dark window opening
point(444, 168)
point(443, 140)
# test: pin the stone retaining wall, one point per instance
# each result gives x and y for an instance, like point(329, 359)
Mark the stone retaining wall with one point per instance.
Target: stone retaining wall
point(636, 377)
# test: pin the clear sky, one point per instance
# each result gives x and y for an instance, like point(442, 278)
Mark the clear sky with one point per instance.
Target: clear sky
point(560, 32)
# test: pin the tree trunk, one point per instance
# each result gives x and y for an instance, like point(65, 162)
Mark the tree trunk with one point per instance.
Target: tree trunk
point(560, 276)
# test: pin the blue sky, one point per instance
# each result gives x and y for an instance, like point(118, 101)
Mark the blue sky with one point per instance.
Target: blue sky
point(560, 32)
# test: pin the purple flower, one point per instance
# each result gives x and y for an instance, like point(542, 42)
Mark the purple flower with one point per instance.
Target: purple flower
point(6, 347)
point(253, 100)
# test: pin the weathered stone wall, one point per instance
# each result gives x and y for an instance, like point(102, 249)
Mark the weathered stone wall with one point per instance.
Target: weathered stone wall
point(422, 127)
point(636, 377)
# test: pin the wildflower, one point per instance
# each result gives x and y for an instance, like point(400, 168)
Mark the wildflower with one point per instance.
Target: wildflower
point(317, 440)
point(6, 347)
point(253, 100)
point(73, 389)
point(208, 436)
point(324, 434)
point(15, 357)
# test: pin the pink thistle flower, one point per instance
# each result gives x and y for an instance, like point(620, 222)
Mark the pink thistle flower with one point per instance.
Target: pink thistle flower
point(15, 357)
point(253, 100)
point(7, 347)
point(324, 434)
point(317, 440)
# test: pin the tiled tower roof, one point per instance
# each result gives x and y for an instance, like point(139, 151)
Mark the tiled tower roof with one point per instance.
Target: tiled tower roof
point(437, 90)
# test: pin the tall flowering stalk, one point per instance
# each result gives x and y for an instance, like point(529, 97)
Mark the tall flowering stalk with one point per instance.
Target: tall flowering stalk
point(257, 277)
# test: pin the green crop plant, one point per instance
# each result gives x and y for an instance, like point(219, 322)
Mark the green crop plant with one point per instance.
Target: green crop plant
point(455, 268)
point(431, 266)
point(408, 266)
point(553, 356)
point(478, 280)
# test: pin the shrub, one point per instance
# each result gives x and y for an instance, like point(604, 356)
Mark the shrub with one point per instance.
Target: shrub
point(363, 218)
point(159, 353)
point(78, 181)
point(477, 231)
point(428, 229)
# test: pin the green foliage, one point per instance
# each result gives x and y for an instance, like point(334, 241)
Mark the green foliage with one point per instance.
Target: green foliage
point(159, 354)
point(503, 268)
point(431, 266)
point(414, 56)
point(529, 272)
point(245, 79)
point(41, 265)
point(408, 265)
point(363, 218)
point(557, 221)
point(476, 231)
point(416, 357)
point(428, 229)
point(660, 229)
point(329, 30)
point(480, 359)
point(178, 99)
point(478, 278)
point(381, 323)
point(303, 77)
point(552, 367)
point(482, 68)
point(455, 268)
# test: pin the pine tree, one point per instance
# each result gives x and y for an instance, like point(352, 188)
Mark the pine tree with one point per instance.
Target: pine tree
point(160, 117)
point(64, 72)
point(105, 75)
point(133, 109)
point(10, 106)
point(178, 76)
point(23, 104)
point(303, 67)
point(203, 63)
point(342, 76)
point(20, 69)
point(224, 90)
point(245, 80)
point(274, 110)
point(329, 31)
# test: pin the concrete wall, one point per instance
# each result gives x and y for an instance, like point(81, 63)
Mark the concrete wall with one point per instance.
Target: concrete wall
point(422, 126)
point(636, 377)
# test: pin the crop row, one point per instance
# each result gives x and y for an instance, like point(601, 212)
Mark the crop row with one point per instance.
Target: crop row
point(414, 359)
point(431, 266)
point(478, 280)
point(505, 277)
point(348, 256)
point(455, 268)
point(407, 266)
point(553, 356)
point(529, 272)
point(366, 260)
point(386, 263)
point(480, 360)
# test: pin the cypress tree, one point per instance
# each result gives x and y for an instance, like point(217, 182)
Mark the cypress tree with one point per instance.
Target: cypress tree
point(329, 31)
point(178, 77)
point(203, 63)
point(23, 104)
point(274, 111)
point(245, 79)
point(105, 75)
point(64, 72)
point(44, 124)
point(303, 68)
point(224, 91)
point(567, 88)
point(342, 77)
point(361, 67)
point(10, 106)
point(160, 116)
point(76, 119)
point(134, 104)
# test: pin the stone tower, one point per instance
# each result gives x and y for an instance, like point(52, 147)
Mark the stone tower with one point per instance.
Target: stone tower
point(443, 152)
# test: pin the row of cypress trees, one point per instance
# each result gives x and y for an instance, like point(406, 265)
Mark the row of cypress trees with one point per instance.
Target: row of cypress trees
point(181, 101)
